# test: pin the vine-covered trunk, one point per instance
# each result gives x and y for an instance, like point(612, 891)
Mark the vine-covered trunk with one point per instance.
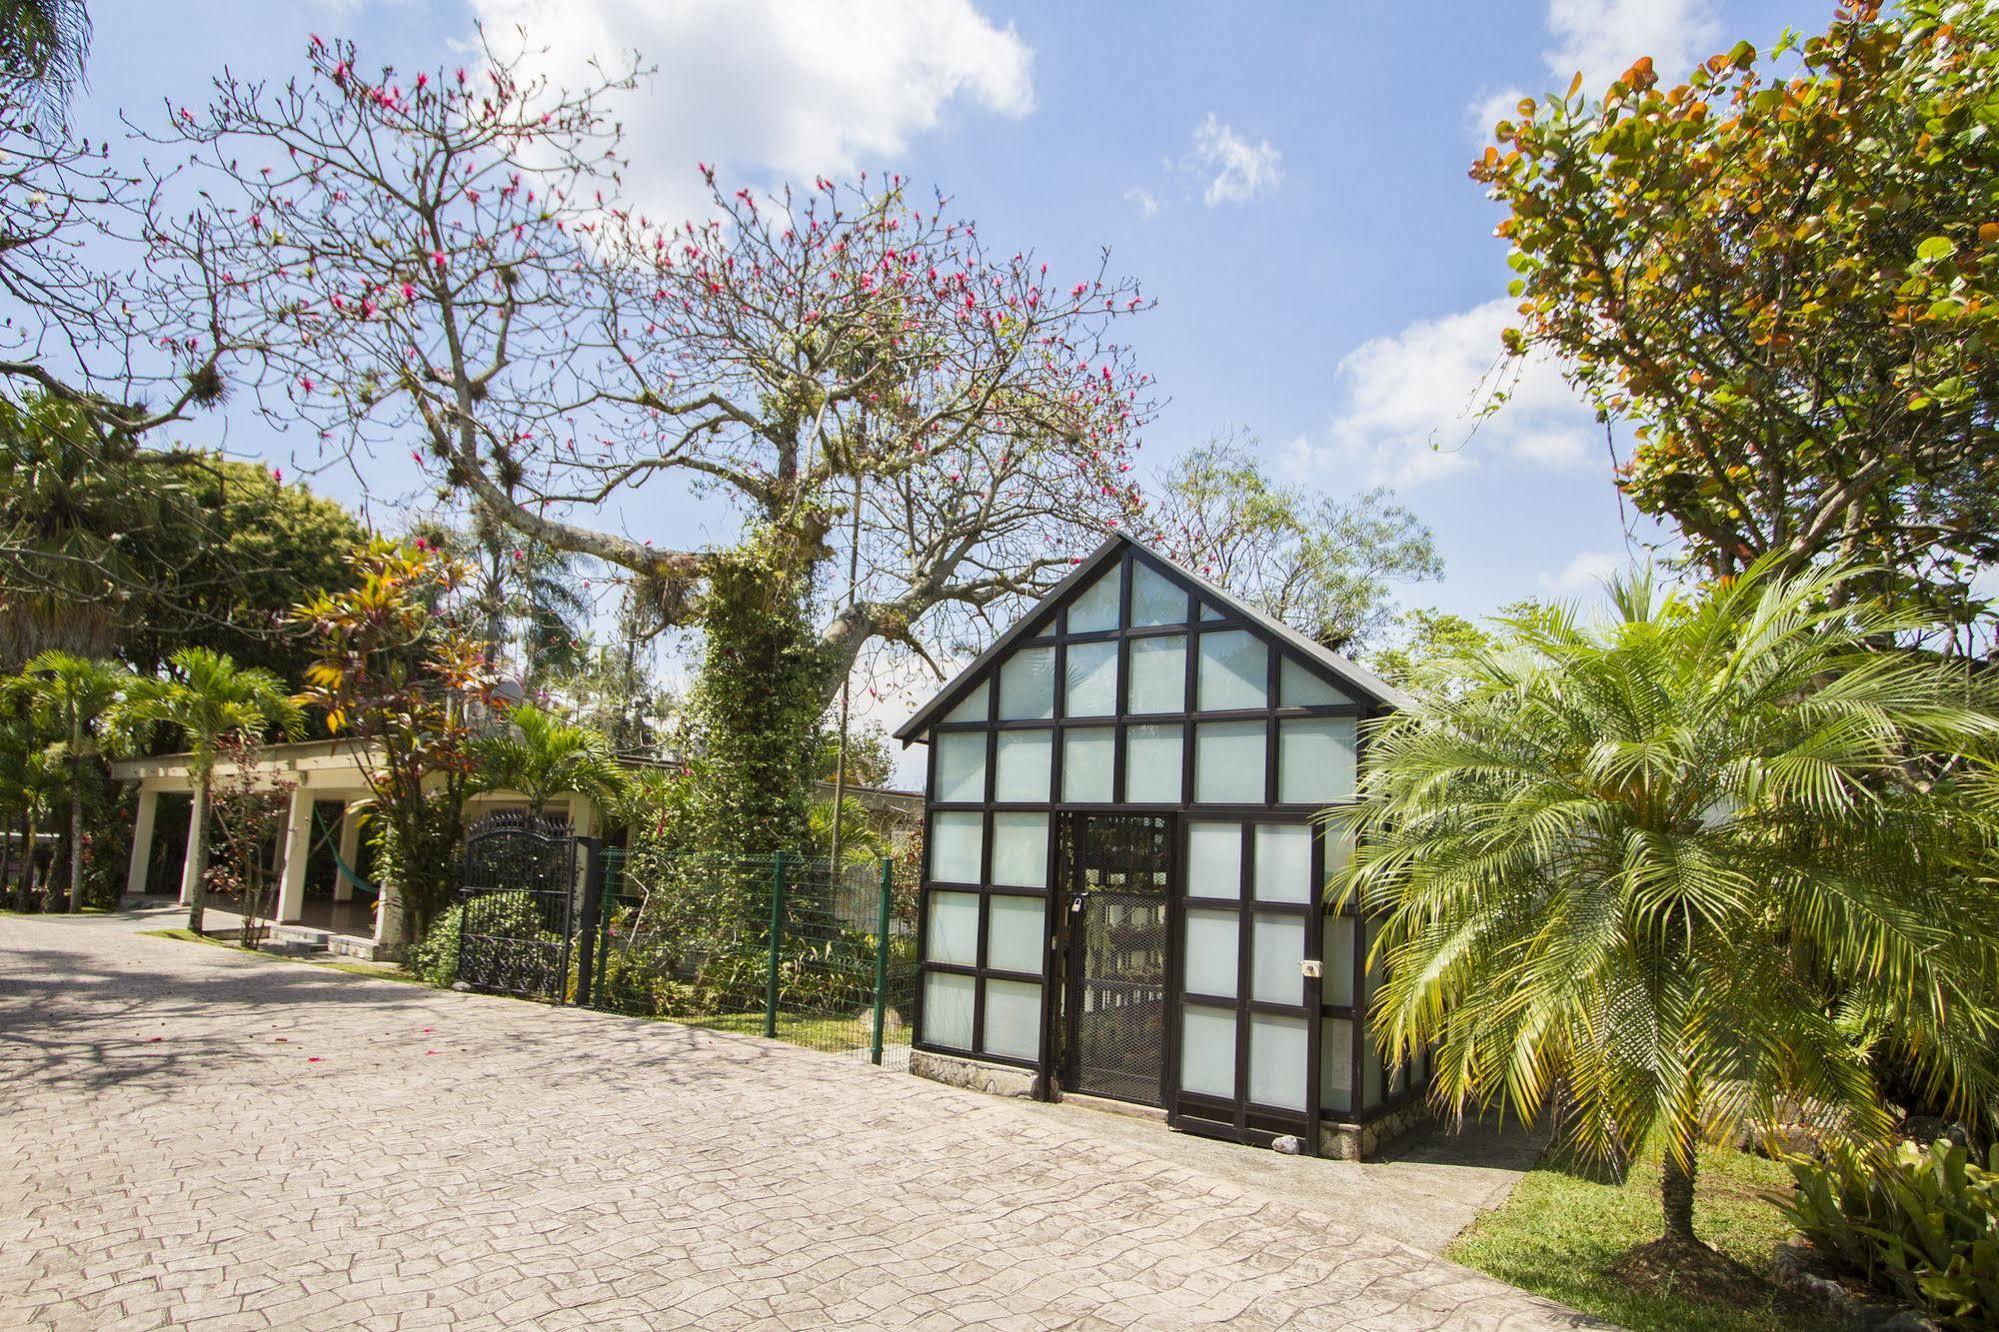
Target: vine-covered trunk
point(757, 702)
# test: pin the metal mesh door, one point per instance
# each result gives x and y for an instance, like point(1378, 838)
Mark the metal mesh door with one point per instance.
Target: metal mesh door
point(1116, 917)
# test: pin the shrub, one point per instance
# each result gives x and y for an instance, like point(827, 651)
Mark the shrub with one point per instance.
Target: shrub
point(508, 915)
point(435, 956)
point(1921, 1223)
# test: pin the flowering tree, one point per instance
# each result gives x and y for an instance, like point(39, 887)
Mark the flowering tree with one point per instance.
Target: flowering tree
point(445, 258)
point(248, 809)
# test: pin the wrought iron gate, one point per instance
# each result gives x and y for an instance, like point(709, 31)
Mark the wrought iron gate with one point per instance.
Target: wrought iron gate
point(517, 906)
point(1117, 869)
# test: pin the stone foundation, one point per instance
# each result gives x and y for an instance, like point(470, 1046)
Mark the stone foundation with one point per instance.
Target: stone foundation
point(1360, 1142)
point(958, 1071)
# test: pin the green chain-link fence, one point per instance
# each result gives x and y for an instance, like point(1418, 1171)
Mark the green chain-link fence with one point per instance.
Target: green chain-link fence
point(777, 945)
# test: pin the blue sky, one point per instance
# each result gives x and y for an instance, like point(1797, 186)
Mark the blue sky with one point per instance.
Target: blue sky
point(1288, 181)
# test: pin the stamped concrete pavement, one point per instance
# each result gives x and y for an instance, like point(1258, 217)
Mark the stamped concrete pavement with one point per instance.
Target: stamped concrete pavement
point(194, 1137)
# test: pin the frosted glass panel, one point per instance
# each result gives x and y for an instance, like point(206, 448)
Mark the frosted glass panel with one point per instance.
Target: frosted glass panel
point(1276, 1060)
point(1283, 863)
point(961, 765)
point(1158, 675)
point(1207, 1051)
point(1214, 860)
point(1095, 608)
point(1013, 1018)
point(947, 1010)
point(1211, 953)
point(1315, 760)
point(1370, 1073)
point(1154, 600)
point(1027, 684)
point(953, 931)
point(1210, 612)
point(954, 847)
point(1299, 688)
point(1235, 671)
point(1336, 939)
point(1336, 1065)
point(1152, 764)
point(1013, 932)
point(1276, 947)
point(1020, 849)
point(1091, 688)
point(1228, 763)
point(972, 709)
point(1086, 764)
point(1023, 763)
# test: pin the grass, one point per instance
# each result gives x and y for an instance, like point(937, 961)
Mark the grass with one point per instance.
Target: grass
point(814, 1033)
point(373, 970)
point(1562, 1232)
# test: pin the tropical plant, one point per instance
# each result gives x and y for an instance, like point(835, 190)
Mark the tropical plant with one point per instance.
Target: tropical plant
point(1715, 853)
point(30, 784)
point(1923, 1222)
point(207, 698)
point(73, 698)
point(540, 755)
point(42, 47)
point(1784, 270)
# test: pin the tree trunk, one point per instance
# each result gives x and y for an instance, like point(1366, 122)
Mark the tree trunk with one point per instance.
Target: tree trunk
point(28, 892)
point(76, 843)
point(197, 858)
point(1676, 1189)
point(24, 866)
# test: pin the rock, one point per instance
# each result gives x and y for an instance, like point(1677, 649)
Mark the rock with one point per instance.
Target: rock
point(1926, 1129)
point(1287, 1144)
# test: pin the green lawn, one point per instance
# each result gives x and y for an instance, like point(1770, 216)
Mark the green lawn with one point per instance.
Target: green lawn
point(837, 1034)
point(1561, 1232)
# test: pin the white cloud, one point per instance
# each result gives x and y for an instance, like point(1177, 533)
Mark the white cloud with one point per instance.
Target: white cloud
point(795, 88)
point(1584, 575)
point(1600, 39)
point(1410, 403)
point(1236, 170)
point(1147, 201)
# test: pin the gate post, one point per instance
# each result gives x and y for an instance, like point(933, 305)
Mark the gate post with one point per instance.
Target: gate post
point(776, 942)
point(586, 931)
point(881, 960)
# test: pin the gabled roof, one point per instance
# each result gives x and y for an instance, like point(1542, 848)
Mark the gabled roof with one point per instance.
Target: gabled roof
point(1345, 671)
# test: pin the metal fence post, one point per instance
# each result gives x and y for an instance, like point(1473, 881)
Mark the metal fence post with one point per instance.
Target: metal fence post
point(586, 931)
point(881, 960)
point(776, 942)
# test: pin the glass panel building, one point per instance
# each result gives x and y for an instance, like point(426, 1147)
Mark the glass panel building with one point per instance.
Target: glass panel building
point(1122, 892)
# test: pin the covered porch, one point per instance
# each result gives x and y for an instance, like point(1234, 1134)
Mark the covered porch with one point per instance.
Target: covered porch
point(323, 883)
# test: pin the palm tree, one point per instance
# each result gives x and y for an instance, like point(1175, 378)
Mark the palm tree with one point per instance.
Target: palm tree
point(541, 755)
point(28, 785)
point(207, 697)
point(1714, 852)
point(42, 48)
point(72, 697)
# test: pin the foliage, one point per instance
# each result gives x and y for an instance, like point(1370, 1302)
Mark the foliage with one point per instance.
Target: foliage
point(609, 688)
point(870, 762)
point(1788, 281)
point(1922, 1223)
point(527, 596)
point(31, 782)
point(397, 670)
point(206, 698)
point(1324, 566)
point(1683, 863)
point(1565, 1233)
point(105, 546)
point(434, 956)
point(73, 701)
point(249, 810)
point(536, 753)
point(42, 48)
point(1428, 648)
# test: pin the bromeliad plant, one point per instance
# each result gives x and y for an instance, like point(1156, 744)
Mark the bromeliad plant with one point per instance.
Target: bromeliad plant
point(1715, 852)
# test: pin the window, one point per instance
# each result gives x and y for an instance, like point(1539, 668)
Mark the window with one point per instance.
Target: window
point(1207, 1051)
point(1228, 763)
point(1211, 953)
point(1014, 928)
point(947, 1009)
point(1013, 1018)
point(1336, 1065)
point(1158, 675)
point(1020, 849)
point(1027, 685)
point(1091, 686)
point(955, 842)
point(1152, 764)
point(1087, 756)
point(1336, 944)
point(1155, 599)
point(973, 709)
point(1276, 948)
point(1235, 671)
point(1022, 767)
point(1095, 607)
point(961, 765)
point(1315, 760)
point(1300, 688)
point(1283, 862)
point(1214, 860)
point(952, 933)
point(1277, 1060)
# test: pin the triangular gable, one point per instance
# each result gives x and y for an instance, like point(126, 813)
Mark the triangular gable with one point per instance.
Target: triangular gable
point(1342, 672)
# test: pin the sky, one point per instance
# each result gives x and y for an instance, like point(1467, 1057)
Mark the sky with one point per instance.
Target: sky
point(1289, 181)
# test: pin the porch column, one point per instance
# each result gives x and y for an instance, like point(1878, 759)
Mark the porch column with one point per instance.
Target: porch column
point(142, 841)
point(197, 819)
point(350, 850)
point(298, 848)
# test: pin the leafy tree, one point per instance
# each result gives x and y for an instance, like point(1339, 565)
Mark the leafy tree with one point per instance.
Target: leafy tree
point(528, 596)
point(399, 670)
point(30, 784)
point(207, 699)
point(1322, 565)
point(1787, 280)
point(870, 761)
point(1685, 863)
point(107, 547)
point(248, 810)
point(1430, 647)
point(537, 753)
point(74, 699)
point(42, 48)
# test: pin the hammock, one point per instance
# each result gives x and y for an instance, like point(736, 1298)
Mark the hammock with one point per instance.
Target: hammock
point(347, 871)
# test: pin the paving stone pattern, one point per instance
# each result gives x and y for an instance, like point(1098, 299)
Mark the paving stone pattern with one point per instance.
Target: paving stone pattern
point(190, 1137)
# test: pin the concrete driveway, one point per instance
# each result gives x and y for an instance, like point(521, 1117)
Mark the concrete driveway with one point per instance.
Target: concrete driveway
point(192, 1137)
